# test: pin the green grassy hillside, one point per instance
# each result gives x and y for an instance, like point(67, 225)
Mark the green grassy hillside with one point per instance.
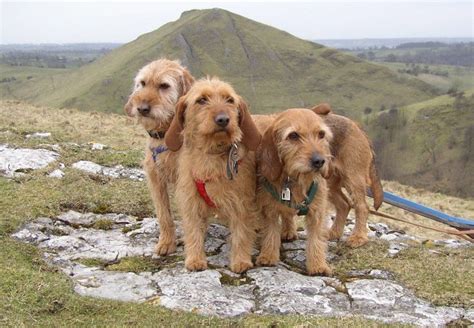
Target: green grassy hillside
point(272, 69)
point(428, 144)
point(442, 77)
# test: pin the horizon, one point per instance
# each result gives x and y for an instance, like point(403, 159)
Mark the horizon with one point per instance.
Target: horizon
point(87, 23)
point(314, 40)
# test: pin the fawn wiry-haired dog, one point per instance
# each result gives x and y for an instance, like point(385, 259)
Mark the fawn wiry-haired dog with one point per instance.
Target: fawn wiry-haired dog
point(292, 161)
point(156, 91)
point(352, 167)
point(216, 169)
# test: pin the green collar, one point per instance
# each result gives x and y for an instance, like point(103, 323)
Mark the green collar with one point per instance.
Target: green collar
point(302, 207)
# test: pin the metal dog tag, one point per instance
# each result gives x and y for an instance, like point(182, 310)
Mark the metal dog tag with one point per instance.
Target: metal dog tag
point(286, 194)
point(233, 162)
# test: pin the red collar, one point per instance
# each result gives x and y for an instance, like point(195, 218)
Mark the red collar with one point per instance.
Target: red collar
point(201, 188)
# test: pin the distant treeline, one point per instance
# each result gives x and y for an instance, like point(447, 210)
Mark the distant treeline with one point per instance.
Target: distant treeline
point(38, 59)
point(429, 44)
point(430, 53)
point(53, 55)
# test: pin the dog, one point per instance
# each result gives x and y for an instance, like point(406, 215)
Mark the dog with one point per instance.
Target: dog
point(352, 168)
point(157, 88)
point(217, 138)
point(292, 163)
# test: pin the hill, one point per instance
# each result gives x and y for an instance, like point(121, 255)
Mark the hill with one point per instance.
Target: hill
point(272, 69)
point(428, 144)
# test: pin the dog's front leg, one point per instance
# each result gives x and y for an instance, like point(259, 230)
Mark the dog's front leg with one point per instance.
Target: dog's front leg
point(288, 227)
point(159, 193)
point(195, 227)
point(270, 242)
point(316, 243)
point(242, 239)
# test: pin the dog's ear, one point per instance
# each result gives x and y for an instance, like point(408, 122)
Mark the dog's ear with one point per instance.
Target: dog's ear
point(186, 81)
point(173, 137)
point(269, 162)
point(322, 109)
point(129, 107)
point(251, 137)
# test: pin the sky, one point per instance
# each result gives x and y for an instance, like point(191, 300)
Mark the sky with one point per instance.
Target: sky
point(123, 21)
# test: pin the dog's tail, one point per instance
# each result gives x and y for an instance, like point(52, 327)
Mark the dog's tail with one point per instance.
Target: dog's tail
point(375, 185)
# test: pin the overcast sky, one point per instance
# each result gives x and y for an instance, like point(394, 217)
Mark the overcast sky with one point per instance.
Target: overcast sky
point(107, 21)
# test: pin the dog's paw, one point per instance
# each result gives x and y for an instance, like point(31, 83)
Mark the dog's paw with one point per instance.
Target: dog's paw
point(196, 265)
point(265, 260)
point(165, 248)
point(321, 270)
point(289, 235)
point(239, 267)
point(355, 241)
point(335, 235)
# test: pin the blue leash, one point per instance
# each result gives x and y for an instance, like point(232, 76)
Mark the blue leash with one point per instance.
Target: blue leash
point(425, 211)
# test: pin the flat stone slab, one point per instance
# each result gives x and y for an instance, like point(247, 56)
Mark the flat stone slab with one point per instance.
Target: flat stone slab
point(72, 240)
point(15, 161)
point(114, 172)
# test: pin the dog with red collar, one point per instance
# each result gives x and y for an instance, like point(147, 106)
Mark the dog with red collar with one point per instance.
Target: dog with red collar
point(217, 139)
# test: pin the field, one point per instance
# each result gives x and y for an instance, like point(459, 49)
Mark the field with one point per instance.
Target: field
point(442, 77)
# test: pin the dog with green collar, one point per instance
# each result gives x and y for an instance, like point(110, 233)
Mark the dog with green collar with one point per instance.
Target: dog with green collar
point(292, 162)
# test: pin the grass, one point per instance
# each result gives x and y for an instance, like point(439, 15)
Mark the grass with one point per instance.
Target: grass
point(439, 274)
point(103, 224)
point(34, 294)
point(272, 69)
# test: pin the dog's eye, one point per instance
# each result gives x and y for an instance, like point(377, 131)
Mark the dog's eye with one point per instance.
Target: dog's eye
point(142, 83)
point(321, 134)
point(230, 100)
point(201, 101)
point(164, 86)
point(293, 136)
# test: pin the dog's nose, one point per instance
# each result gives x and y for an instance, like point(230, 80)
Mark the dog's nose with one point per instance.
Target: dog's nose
point(144, 109)
point(317, 161)
point(222, 119)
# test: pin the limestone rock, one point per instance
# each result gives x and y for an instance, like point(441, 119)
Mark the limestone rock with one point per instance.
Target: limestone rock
point(98, 146)
point(114, 172)
point(58, 174)
point(14, 160)
point(73, 239)
point(390, 302)
point(39, 135)
point(286, 292)
point(122, 286)
point(202, 292)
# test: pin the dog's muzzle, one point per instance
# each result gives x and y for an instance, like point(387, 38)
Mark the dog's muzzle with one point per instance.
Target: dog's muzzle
point(317, 161)
point(144, 109)
point(222, 120)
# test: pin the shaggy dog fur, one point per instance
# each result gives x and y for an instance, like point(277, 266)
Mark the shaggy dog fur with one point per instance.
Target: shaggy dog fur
point(156, 91)
point(294, 148)
point(352, 167)
point(205, 145)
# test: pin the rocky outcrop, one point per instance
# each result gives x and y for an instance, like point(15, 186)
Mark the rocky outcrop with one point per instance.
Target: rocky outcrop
point(87, 247)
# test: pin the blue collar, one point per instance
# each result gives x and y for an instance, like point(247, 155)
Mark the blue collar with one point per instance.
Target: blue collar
point(157, 150)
